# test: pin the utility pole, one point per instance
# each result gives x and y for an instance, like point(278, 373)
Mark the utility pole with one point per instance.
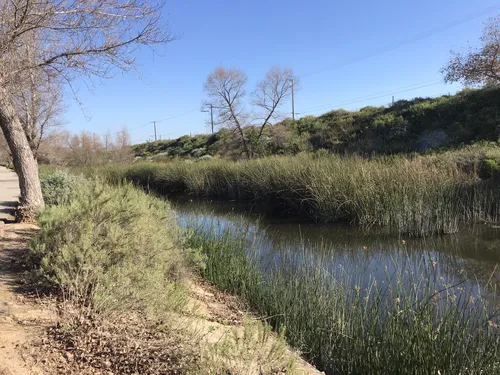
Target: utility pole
point(211, 115)
point(293, 99)
point(154, 125)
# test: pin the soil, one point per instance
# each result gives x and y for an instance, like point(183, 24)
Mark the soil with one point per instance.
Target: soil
point(21, 317)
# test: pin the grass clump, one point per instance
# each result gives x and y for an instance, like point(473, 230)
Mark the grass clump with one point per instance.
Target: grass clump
point(112, 250)
point(403, 326)
point(251, 349)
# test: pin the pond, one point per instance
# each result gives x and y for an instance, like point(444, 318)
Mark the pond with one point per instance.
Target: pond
point(469, 258)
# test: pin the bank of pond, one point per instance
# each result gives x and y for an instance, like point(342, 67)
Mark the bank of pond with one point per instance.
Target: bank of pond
point(411, 195)
point(354, 301)
point(368, 266)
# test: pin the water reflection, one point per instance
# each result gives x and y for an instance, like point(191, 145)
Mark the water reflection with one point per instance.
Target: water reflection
point(468, 258)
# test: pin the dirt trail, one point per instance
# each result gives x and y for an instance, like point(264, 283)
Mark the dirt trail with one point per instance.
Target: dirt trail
point(20, 320)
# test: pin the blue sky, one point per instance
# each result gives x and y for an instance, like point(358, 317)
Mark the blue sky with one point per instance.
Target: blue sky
point(311, 37)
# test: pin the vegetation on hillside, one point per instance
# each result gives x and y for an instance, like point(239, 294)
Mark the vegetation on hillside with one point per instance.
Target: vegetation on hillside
point(417, 125)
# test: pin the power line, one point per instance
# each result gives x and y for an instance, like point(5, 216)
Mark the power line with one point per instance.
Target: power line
point(367, 97)
point(406, 41)
point(177, 116)
point(165, 119)
point(373, 96)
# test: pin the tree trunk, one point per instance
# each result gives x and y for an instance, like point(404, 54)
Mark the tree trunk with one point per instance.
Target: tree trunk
point(31, 198)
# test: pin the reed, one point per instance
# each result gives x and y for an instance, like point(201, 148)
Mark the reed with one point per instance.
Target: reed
point(400, 326)
point(418, 196)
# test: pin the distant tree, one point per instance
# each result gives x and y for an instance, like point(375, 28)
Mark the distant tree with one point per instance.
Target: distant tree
point(84, 149)
point(481, 66)
point(39, 106)
point(86, 38)
point(226, 90)
point(121, 149)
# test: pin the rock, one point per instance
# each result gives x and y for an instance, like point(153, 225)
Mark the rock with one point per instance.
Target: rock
point(434, 139)
point(204, 158)
point(197, 151)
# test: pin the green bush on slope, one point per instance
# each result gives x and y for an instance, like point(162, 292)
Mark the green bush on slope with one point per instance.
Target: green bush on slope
point(420, 124)
point(111, 249)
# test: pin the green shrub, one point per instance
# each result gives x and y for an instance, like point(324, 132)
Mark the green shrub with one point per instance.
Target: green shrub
point(58, 187)
point(490, 167)
point(112, 250)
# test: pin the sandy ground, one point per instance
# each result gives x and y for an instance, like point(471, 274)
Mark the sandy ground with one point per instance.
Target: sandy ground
point(20, 319)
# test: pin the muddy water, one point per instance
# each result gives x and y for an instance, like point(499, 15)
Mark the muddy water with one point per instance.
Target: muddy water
point(470, 258)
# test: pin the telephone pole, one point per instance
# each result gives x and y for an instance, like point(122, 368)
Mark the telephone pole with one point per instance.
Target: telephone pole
point(211, 114)
point(292, 80)
point(154, 125)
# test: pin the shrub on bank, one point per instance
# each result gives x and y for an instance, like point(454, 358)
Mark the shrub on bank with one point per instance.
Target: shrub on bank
point(110, 249)
point(59, 186)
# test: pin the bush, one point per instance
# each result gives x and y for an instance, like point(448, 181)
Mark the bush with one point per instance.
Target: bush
point(58, 187)
point(110, 249)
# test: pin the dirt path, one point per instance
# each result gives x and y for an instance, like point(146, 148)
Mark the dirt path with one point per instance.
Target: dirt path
point(20, 320)
point(9, 193)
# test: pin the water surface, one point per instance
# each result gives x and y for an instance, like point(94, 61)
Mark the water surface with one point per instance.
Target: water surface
point(468, 259)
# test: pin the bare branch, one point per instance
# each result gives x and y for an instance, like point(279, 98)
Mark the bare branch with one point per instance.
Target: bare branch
point(481, 66)
point(271, 92)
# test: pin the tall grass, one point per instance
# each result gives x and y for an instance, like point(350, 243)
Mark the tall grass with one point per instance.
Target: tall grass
point(411, 195)
point(402, 326)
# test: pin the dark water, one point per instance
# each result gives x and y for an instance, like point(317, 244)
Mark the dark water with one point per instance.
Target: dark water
point(469, 258)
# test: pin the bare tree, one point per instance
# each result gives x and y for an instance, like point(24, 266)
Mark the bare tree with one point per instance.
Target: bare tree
point(39, 108)
point(121, 150)
point(481, 66)
point(69, 38)
point(38, 101)
point(84, 149)
point(226, 90)
point(271, 92)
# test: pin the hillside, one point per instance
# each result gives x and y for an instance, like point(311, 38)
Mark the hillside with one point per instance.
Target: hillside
point(417, 125)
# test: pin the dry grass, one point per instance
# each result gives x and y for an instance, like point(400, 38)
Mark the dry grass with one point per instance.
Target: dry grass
point(418, 195)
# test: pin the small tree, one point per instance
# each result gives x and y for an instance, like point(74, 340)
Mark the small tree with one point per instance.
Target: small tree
point(481, 66)
point(226, 90)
